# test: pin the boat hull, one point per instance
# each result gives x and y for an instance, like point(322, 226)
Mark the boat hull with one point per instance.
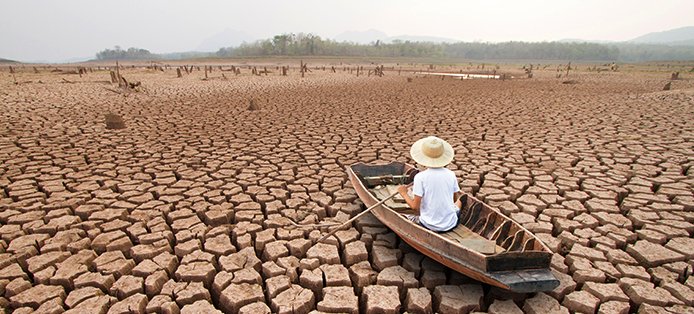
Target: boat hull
point(522, 279)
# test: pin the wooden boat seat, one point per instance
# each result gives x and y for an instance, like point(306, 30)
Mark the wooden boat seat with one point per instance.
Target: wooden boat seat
point(399, 205)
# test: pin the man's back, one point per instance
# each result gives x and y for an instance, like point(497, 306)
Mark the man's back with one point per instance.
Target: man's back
point(436, 187)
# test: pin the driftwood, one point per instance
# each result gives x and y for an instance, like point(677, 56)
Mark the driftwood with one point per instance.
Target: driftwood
point(134, 85)
point(378, 71)
point(529, 71)
point(124, 86)
point(118, 77)
point(303, 68)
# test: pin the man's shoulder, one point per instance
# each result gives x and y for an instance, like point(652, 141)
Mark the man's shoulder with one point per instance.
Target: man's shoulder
point(436, 173)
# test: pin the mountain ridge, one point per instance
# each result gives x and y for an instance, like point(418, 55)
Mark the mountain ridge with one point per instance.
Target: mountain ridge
point(681, 36)
point(8, 61)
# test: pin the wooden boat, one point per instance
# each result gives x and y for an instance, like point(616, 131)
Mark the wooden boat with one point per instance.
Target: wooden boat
point(486, 245)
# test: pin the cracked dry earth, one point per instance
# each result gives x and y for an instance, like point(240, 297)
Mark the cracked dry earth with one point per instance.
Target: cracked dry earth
point(187, 209)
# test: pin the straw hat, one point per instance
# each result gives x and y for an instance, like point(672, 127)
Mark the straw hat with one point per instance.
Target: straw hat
point(432, 152)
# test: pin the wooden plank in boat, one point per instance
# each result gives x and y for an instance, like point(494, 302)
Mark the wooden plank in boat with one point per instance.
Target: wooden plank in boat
point(474, 241)
point(382, 193)
point(392, 189)
point(475, 244)
point(464, 232)
point(480, 245)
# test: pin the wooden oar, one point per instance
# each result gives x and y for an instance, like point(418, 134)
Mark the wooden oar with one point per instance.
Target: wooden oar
point(327, 224)
point(368, 210)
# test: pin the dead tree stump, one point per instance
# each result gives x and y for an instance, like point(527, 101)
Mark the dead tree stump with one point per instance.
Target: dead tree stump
point(178, 73)
point(667, 86)
point(118, 72)
point(253, 105)
point(114, 78)
point(114, 122)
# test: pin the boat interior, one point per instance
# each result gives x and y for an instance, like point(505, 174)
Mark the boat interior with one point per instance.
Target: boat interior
point(480, 228)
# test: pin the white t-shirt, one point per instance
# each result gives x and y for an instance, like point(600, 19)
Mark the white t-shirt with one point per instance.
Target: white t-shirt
point(437, 210)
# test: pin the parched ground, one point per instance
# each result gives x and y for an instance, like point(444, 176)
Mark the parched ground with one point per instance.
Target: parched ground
point(188, 207)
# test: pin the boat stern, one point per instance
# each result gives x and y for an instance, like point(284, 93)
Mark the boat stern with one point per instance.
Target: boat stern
point(527, 281)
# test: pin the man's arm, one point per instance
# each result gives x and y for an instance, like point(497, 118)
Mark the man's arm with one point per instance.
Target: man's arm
point(413, 203)
point(457, 195)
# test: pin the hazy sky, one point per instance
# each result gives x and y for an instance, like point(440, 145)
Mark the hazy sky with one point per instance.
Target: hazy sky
point(59, 30)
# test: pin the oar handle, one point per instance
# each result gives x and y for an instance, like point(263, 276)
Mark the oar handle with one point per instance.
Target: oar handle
point(357, 217)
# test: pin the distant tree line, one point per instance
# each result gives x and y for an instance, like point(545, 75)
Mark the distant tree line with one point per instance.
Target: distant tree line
point(629, 52)
point(119, 54)
point(312, 45)
point(309, 45)
point(529, 51)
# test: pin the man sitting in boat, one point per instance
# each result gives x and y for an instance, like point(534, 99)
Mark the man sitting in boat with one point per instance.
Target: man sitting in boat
point(436, 191)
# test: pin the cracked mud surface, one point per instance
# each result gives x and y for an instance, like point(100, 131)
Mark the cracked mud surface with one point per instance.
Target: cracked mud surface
point(187, 208)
